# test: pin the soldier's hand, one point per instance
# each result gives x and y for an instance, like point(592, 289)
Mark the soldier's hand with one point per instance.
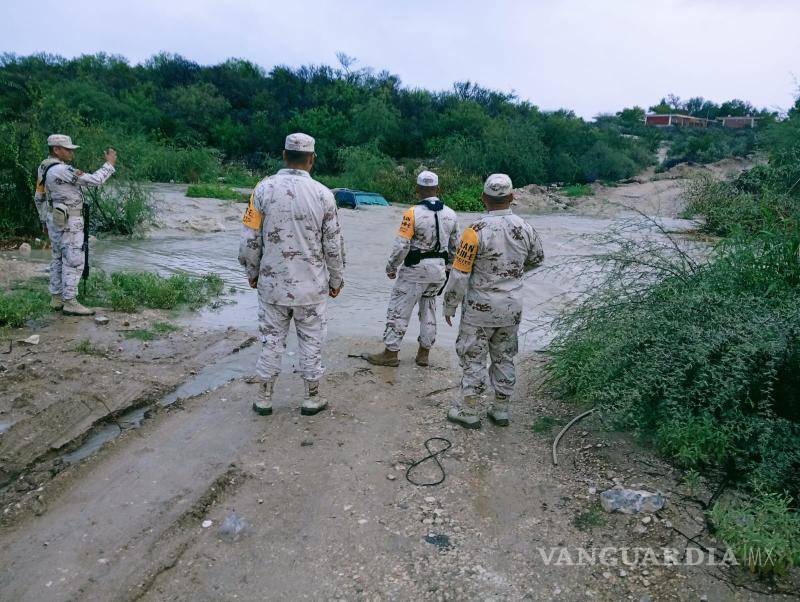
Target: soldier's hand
point(111, 156)
point(334, 292)
point(253, 282)
point(447, 319)
point(391, 275)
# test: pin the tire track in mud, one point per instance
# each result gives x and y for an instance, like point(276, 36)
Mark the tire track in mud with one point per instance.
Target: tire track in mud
point(124, 515)
point(53, 455)
point(171, 546)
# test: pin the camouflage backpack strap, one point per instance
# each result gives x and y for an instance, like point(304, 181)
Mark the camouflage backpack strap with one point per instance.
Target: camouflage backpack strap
point(42, 185)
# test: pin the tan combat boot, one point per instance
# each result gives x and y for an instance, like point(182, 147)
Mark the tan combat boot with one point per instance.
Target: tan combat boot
point(466, 413)
point(312, 402)
point(56, 302)
point(422, 356)
point(263, 406)
point(73, 308)
point(384, 358)
point(498, 413)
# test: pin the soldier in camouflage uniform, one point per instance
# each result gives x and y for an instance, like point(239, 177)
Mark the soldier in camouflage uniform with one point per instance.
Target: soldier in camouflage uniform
point(293, 252)
point(493, 254)
point(59, 202)
point(423, 249)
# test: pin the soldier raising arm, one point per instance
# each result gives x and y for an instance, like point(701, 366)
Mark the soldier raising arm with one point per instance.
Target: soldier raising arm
point(59, 202)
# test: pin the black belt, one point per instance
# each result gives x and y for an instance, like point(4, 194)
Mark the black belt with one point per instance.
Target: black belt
point(415, 256)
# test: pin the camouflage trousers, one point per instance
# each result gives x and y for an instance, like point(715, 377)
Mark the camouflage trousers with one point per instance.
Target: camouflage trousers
point(310, 322)
point(473, 344)
point(66, 265)
point(405, 296)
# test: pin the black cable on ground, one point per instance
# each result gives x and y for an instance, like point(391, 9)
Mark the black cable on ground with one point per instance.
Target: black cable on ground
point(432, 455)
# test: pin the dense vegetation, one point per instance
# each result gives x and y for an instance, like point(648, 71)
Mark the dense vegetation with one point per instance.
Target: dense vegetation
point(702, 358)
point(174, 120)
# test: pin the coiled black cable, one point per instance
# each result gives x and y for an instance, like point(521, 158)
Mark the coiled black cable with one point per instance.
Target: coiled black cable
point(432, 455)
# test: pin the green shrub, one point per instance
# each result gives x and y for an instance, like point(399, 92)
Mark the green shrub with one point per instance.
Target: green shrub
point(126, 209)
point(19, 158)
point(706, 145)
point(763, 532)
point(587, 520)
point(701, 359)
point(86, 348)
point(236, 174)
point(24, 302)
point(577, 190)
point(749, 204)
point(141, 158)
point(129, 291)
point(214, 191)
point(467, 198)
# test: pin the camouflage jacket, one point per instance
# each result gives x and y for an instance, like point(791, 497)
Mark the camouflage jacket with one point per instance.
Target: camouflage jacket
point(418, 231)
point(493, 254)
point(64, 184)
point(291, 239)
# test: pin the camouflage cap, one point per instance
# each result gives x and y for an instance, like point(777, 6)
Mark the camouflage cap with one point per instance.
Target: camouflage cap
point(498, 185)
point(299, 142)
point(61, 140)
point(427, 178)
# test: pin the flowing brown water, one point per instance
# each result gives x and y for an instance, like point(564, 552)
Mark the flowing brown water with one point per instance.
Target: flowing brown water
point(360, 309)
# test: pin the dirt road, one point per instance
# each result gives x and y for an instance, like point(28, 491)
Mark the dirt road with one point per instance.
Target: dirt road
point(329, 512)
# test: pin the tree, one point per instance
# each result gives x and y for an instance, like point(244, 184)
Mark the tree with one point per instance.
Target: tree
point(346, 61)
point(736, 108)
point(330, 129)
point(375, 121)
point(196, 108)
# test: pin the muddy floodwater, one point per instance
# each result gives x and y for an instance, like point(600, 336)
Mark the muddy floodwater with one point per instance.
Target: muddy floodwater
point(360, 309)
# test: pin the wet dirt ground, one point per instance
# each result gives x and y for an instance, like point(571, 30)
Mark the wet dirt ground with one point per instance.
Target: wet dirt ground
point(329, 512)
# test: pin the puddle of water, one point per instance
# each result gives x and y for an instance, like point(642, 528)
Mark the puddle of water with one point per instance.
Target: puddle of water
point(439, 540)
point(212, 376)
point(100, 436)
point(5, 425)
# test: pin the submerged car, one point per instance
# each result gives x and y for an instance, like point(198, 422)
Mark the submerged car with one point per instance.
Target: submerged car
point(346, 197)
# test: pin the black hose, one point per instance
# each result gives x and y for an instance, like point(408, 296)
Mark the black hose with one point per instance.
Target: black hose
point(432, 455)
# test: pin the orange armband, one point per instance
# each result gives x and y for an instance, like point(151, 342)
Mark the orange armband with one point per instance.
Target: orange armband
point(467, 251)
point(252, 216)
point(407, 225)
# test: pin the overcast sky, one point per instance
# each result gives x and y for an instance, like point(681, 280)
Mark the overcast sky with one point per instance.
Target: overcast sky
point(591, 56)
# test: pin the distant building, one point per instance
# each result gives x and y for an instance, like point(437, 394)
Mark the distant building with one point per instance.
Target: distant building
point(658, 120)
point(737, 122)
